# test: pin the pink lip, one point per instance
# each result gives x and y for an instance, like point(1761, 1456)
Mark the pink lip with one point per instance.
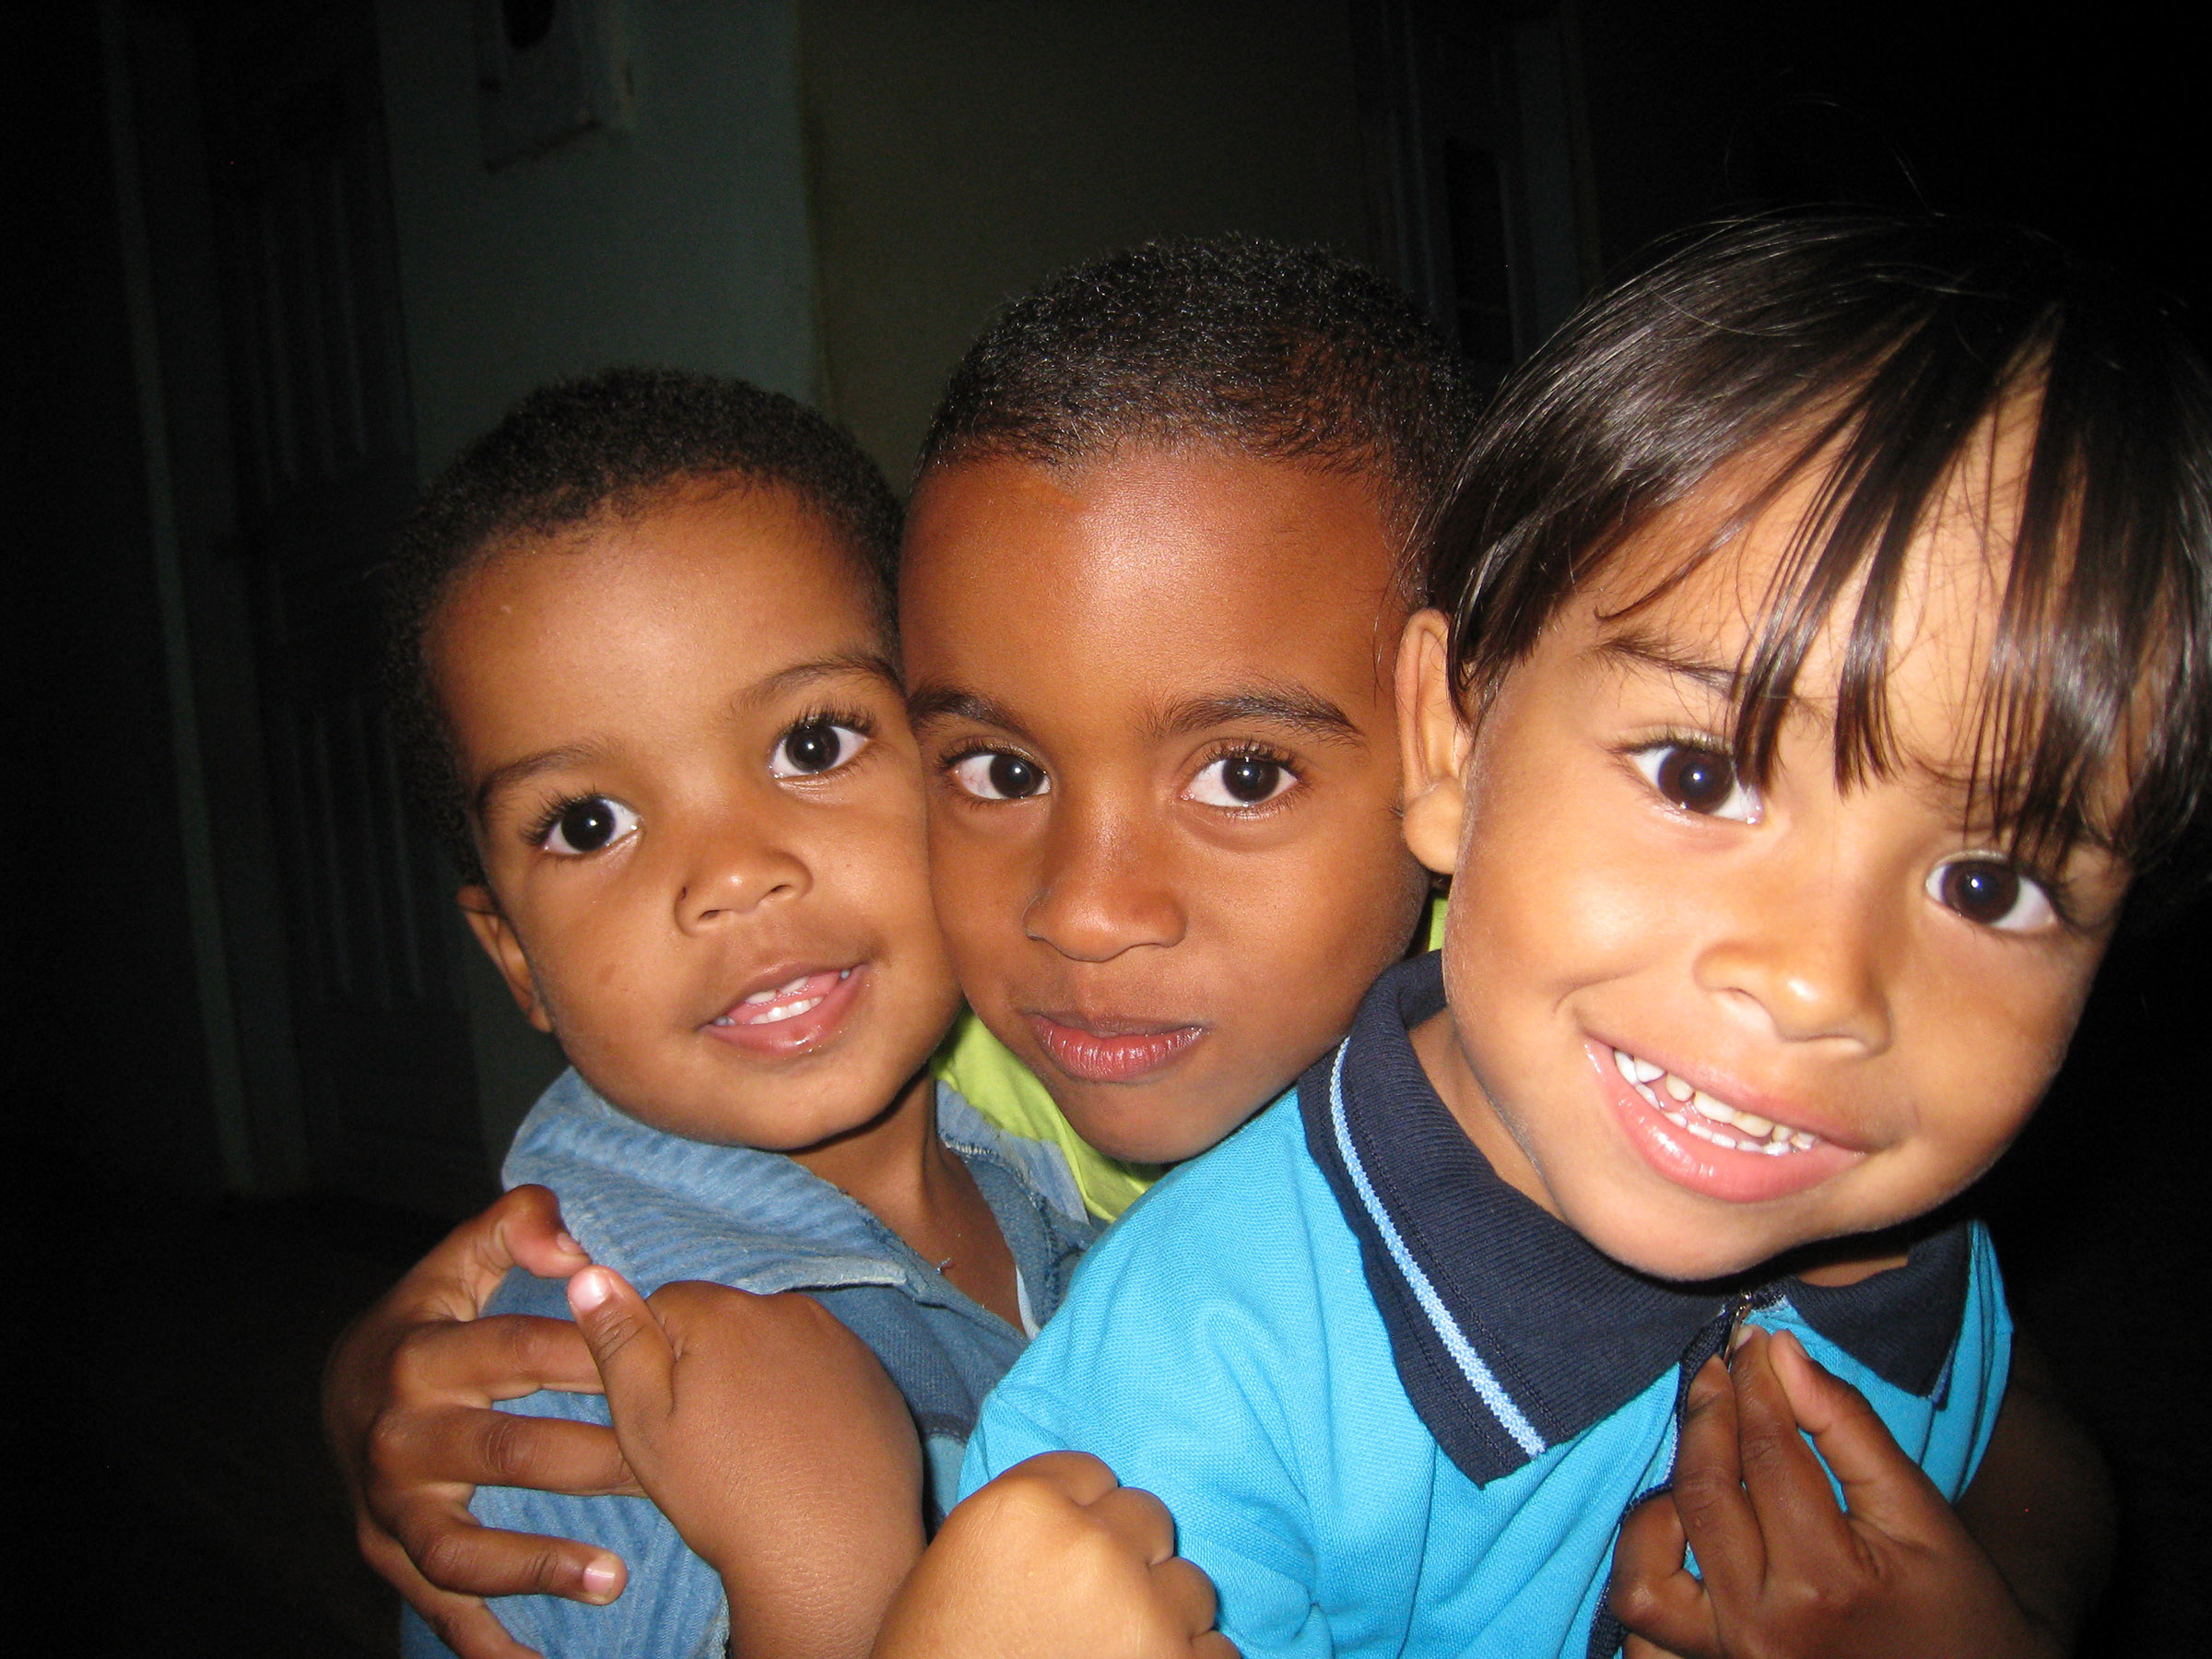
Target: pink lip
point(1092, 1056)
point(1699, 1165)
point(795, 1033)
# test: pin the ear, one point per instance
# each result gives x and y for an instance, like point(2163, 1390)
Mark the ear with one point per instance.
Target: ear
point(1434, 741)
point(505, 950)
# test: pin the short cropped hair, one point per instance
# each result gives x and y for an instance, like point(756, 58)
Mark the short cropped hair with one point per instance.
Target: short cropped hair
point(1281, 353)
point(1873, 350)
point(580, 451)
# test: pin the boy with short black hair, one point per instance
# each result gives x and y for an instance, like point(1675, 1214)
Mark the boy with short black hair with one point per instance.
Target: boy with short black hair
point(1826, 654)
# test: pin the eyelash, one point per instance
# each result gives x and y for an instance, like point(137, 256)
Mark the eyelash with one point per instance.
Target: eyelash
point(2049, 882)
point(1244, 749)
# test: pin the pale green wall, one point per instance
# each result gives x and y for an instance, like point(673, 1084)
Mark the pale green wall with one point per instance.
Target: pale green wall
point(681, 242)
point(961, 150)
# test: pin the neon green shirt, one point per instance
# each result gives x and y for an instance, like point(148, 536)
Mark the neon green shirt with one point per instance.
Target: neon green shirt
point(1007, 1092)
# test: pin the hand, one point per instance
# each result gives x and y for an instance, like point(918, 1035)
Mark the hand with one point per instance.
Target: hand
point(1787, 1572)
point(1054, 1556)
point(405, 1409)
point(772, 1439)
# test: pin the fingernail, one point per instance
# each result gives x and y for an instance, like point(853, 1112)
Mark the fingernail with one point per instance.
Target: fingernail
point(599, 1579)
point(588, 1289)
point(568, 1242)
point(1737, 1337)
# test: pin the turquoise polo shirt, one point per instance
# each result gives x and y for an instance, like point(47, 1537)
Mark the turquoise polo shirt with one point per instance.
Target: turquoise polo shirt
point(1395, 1408)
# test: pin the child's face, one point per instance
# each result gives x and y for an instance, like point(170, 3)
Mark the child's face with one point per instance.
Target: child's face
point(1153, 695)
point(701, 815)
point(1704, 1025)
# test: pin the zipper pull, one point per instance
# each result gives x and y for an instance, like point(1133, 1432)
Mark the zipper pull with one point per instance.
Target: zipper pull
point(1737, 1314)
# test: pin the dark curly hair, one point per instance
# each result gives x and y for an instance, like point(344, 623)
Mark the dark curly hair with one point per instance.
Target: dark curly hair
point(575, 451)
point(1284, 353)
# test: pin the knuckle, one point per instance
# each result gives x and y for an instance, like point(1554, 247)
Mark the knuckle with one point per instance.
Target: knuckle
point(504, 1444)
point(1700, 1494)
point(446, 1555)
point(388, 1446)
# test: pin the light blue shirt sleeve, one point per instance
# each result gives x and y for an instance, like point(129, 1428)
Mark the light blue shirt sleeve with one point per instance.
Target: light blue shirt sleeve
point(1199, 1408)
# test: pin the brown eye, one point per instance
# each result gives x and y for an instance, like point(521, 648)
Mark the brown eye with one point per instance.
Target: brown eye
point(587, 825)
point(1246, 780)
point(813, 748)
point(1697, 779)
point(997, 775)
point(1991, 893)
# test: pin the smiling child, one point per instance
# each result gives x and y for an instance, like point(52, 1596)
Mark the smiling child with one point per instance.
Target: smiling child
point(645, 649)
point(1822, 656)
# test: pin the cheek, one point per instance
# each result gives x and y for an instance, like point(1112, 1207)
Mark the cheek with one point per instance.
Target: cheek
point(975, 889)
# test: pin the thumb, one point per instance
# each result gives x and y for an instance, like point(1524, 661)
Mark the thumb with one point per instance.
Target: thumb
point(1882, 1486)
point(635, 1357)
point(529, 1234)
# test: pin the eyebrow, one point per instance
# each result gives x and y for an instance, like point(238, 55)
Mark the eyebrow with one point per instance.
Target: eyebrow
point(927, 703)
point(499, 779)
point(1290, 706)
point(870, 664)
point(1637, 649)
point(1294, 707)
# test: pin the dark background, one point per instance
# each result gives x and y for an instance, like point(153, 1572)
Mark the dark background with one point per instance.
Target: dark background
point(267, 270)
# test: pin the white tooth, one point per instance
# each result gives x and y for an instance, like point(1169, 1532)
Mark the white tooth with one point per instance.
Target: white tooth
point(1678, 1088)
point(1677, 1120)
point(1779, 1135)
point(761, 996)
point(844, 973)
point(1706, 1106)
point(1645, 1090)
point(1627, 1063)
point(1776, 1148)
point(1751, 1124)
point(1801, 1140)
point(1648, 1072)
point(1724, 1140)
point(721, 1019)
point(793, 1012)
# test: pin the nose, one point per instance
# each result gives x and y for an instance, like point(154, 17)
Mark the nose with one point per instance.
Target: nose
point(733, 870)
point(1105, 887)
point(1805, 947)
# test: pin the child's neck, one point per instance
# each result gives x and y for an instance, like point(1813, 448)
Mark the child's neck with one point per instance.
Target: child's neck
point(896, 1168)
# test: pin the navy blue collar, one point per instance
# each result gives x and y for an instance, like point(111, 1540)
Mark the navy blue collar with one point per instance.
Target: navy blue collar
point(1511, 1332)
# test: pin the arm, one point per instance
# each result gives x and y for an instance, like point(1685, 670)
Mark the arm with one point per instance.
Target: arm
point(774, 1441)
point(2042, 1502)
point(1784, 1569)
point(406, 1399)
point(1054, 1556)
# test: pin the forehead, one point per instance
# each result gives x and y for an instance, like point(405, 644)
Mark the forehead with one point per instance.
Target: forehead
point(1184, 567)
point(704, 589)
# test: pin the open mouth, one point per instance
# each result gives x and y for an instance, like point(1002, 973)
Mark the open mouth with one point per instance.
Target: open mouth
point(802, 995)
point(798, 1011)
point(1691, 1108)
point(1091, 1054)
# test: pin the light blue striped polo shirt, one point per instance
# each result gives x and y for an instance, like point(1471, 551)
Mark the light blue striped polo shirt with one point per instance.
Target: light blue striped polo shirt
point(1395, 1408)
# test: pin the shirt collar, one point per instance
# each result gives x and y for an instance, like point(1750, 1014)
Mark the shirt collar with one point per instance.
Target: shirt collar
point(1511, 1332)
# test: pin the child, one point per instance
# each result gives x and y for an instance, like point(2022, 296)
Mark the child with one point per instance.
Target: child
point(1825, 655)
point(644, 658)
point(1171, 489)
